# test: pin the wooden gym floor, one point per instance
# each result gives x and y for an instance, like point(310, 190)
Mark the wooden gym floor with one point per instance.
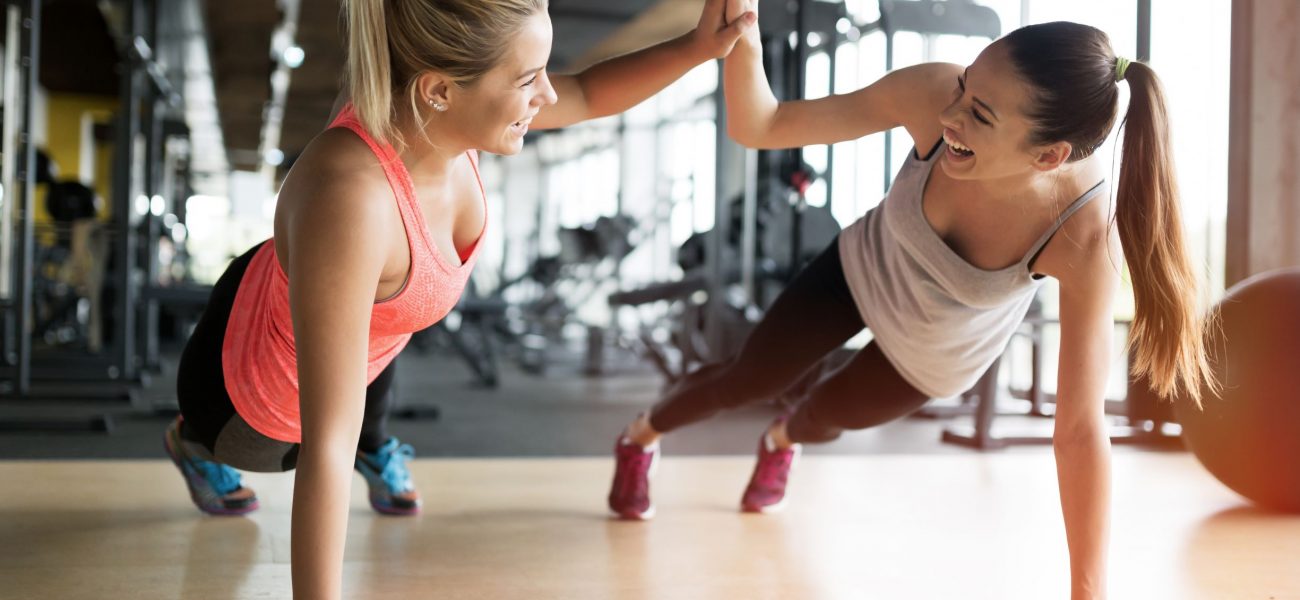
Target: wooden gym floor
point(967, 526)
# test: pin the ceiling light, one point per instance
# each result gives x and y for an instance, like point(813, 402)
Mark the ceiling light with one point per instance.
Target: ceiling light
point(293, 56)
point(274, 157)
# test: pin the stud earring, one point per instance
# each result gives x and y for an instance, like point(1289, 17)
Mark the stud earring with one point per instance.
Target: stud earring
point(438, 106)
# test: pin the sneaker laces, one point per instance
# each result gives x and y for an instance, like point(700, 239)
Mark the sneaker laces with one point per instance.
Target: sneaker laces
point(774, 469)
point(631, 483)
point(394, 472)
point(222, 478)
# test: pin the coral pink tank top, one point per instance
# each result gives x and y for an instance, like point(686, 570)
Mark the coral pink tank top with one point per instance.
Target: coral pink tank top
point(259, 359)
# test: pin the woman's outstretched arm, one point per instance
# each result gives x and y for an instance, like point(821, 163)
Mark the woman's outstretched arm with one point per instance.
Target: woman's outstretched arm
point(617, 84)
point(911, 97)
point(1080, 441)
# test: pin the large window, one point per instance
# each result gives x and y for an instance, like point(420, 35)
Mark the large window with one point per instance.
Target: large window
point(1190, 51)
point(655, 163)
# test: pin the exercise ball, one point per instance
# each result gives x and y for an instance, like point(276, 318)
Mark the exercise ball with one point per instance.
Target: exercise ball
point(1248, 436)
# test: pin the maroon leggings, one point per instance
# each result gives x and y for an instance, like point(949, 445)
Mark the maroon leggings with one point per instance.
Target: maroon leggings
point(813, 316)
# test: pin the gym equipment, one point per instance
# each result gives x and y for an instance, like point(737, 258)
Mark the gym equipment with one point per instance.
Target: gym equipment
point(1141, 416)
point(69, 363)
point(529, 326)
point(544, 299)
point(788, 233)
point(18, 175)
point(68, 278)
point(470, 330)
point(764, 229)
point(1248, 437)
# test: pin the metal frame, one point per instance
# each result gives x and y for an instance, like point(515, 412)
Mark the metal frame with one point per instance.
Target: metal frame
point(56, 375)
point(144, 91)
point(20, 180)
point(8, 174)
point(23, 41)
point(8, 177)
point(1146, 424)
point(127, 172)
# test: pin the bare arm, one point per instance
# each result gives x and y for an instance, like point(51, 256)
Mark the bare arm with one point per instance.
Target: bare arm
point(911, 97)
point(1080, 442)
point(615, 85)
point(334, 265)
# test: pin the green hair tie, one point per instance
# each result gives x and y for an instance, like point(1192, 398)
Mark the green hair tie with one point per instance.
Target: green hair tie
point(1121, 67)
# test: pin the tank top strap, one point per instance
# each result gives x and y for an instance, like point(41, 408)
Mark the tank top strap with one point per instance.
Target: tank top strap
point(347, 119)
point(1065, 215)
point(403, 186)
point(398, 177)
point(387, 155)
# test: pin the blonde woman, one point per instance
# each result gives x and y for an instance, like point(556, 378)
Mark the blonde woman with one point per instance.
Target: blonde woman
point(377, 228)
point(1001, 191)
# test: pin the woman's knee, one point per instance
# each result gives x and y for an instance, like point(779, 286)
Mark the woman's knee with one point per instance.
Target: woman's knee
point(740, 383)
point(736, 383)
point(242, 447)
point(803, 428)
point(826, 414)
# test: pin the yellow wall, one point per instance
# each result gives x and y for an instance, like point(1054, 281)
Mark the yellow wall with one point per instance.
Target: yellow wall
point(63, 143)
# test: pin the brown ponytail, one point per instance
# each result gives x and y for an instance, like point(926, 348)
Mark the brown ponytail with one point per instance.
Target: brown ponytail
point(1167, 340)
point(1073, 70)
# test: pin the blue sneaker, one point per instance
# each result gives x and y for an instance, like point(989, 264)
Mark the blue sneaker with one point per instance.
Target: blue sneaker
point(391, 490)
point(215, 488)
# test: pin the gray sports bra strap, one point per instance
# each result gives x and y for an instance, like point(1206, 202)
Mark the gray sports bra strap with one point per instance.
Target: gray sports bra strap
point(1065, 215)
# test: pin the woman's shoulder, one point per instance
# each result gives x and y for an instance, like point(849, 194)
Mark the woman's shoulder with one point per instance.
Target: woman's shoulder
point(1087, 243)
point(336, 164)
point(335, 183)
point(339, 152)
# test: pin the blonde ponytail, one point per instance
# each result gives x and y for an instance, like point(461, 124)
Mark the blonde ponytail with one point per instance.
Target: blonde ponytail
point(369, 67)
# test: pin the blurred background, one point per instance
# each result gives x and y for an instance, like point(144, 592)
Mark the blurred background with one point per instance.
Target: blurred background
point(144, 141)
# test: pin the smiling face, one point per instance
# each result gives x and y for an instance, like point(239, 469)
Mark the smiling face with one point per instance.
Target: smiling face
point(986, 133)
point(492, 113)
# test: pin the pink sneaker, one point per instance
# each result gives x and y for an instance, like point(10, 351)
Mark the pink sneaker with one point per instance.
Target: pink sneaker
point(766, 490)
point(629, 496)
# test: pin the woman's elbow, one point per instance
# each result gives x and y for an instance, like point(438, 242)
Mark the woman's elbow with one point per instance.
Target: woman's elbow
point(1070, 434)
point(745, 136)
point(753, 127)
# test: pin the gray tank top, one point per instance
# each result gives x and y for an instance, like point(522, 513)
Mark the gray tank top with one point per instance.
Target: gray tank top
point(940, 320)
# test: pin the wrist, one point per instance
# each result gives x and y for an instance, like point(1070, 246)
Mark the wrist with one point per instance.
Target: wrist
point(748, 45)
point(1088, 588)
point(694, 46)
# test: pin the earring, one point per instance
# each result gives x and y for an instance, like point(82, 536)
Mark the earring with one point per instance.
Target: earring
point(438, 106)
